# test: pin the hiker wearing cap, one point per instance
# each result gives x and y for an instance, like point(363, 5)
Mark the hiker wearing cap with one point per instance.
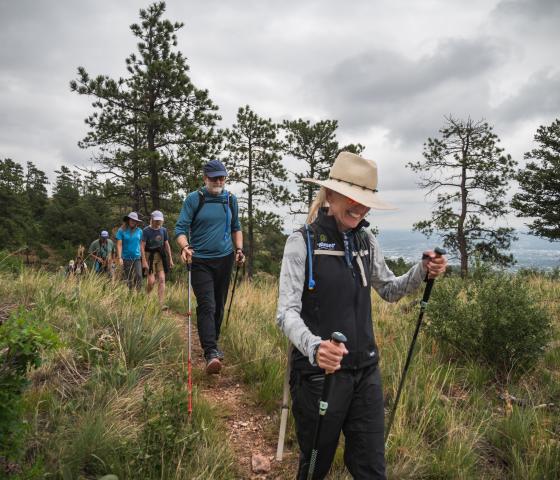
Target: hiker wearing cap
point(328, 270)
point(156, 253)
point(129, 256)
point(102, 251)
point(207, 232)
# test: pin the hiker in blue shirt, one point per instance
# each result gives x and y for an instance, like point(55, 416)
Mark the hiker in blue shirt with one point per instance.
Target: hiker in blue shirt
point(128, 238)
point(207, 232)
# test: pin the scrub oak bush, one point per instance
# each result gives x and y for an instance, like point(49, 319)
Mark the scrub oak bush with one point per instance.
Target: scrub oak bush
point(490, 317)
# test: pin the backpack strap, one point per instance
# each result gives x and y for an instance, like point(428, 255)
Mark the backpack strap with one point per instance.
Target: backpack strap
point(201, 201)
point(309, 237)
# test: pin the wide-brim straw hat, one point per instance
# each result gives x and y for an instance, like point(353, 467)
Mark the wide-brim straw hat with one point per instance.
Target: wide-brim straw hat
point(354, 177)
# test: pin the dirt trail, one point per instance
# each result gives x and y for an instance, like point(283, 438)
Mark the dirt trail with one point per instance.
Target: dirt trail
point(250, 430)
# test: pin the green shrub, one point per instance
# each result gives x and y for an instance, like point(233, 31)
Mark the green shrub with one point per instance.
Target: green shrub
point(493, 317)
point(22, 339)
point(399, 266)
point(9, 262)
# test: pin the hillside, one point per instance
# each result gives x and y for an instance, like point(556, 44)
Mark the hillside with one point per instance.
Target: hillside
point(111, 399)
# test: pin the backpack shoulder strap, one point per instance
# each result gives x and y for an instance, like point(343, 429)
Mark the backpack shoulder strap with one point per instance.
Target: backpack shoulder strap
point(201, 201)
point(309, 236)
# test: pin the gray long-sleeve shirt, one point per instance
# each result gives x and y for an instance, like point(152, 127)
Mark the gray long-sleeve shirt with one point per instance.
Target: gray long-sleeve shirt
point(292, 279)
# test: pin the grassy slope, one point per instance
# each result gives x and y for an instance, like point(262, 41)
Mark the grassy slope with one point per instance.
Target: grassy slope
point(451, 422)
point(112, 400)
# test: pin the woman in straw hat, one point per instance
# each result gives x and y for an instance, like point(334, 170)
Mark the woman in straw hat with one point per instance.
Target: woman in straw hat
point(328, 269)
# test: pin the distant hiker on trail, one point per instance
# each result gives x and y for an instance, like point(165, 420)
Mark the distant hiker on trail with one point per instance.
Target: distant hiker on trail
point(209, 219)
point(78, 266)
point(102, 251)
point(156, 254)
point(328, 270)
point(128, 238)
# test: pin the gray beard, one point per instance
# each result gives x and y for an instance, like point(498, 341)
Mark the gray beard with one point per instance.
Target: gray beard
point(215, 190)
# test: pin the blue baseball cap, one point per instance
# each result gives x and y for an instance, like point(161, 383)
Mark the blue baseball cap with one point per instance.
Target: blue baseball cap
point(214, 168)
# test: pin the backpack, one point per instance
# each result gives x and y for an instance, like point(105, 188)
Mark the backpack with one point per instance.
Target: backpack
point(309, 235)
point(202, 200)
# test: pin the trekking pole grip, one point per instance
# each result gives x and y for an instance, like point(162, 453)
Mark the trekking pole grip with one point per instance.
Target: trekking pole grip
point(430, 281)
point(338, 338)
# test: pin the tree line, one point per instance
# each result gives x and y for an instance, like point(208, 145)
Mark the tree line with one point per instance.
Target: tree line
point(151, 131)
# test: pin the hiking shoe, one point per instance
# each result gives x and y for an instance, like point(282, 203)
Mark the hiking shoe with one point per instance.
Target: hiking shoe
point(221, 355)
point(213, 363)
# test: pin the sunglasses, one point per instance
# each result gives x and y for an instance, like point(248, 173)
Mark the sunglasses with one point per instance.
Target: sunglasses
point(217, 179)
point(350, 201)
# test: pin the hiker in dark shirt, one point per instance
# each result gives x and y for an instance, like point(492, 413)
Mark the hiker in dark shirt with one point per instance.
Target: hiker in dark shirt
point(207, 232)
point(156, 254)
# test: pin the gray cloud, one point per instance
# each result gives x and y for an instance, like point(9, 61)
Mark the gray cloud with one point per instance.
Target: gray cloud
point(388, 72)
point(538, 97)
point(528, 11)
point(410, 96)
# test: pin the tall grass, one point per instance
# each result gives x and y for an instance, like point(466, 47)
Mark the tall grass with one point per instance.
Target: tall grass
point(451, 421)
point(112, 400)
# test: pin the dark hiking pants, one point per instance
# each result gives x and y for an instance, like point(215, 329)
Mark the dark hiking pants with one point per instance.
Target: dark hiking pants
point(210, 282)
point(133, 273)
point(355, 408)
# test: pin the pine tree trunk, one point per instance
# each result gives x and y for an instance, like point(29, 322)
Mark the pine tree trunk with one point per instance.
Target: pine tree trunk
point(461, 238)
point(136, 192)
point(154, 173)
point(310, 185)
point(250, 235)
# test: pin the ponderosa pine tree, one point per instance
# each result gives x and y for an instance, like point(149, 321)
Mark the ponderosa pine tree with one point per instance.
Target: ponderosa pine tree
point(314, 145)
point(470, 174)
point(540, 184)
point(15, 216)
point(154, 123)
point(77, 212)
point(254, 160)
point(36, 189)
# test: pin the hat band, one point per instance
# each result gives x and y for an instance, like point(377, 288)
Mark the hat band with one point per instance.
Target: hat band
point(374, 190)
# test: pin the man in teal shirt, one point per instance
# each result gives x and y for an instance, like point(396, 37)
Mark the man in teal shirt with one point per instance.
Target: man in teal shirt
point(210, 219)
point(102, 251)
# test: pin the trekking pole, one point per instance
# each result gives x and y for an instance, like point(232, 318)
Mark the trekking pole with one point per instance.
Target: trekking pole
point(189, 339)
point(232, 292)
point(285, 408)
point(423, 304)
point(336, 338)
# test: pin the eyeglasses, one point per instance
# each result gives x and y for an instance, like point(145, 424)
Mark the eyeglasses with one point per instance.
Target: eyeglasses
point(217, 179)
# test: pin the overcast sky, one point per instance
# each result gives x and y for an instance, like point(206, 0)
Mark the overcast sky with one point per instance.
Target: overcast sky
point(387, 70)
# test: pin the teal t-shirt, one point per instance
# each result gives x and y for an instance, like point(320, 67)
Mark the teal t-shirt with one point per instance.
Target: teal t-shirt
point(210, 234)
point(130, 242)
point(103, 250)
